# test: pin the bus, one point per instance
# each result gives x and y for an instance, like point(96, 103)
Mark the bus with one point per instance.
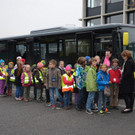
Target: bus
point(63, 43)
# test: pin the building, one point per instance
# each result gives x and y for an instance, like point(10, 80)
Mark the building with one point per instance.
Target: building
point(97, 12)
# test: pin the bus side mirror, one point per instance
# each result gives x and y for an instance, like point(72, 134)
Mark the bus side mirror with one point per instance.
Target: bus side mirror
point(125, 38)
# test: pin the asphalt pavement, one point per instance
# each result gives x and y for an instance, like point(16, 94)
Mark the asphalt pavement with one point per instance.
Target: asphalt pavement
point(32, 118)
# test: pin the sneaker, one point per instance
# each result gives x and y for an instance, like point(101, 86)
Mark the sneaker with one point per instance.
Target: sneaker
point(26, 100)
point(79, 109)
point(17, 99)
point(107, 111)
point(89, 112)
point(53, 107)
point(101, 112)
point(48, 104)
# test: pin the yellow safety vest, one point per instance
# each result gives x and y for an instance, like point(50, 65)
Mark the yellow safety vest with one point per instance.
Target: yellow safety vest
point(26, 78)
point(40, 76)
point(12, 78)
point(65, 87)
point(4, 73)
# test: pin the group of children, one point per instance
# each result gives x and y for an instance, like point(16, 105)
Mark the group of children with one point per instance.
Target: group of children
point(87, 81)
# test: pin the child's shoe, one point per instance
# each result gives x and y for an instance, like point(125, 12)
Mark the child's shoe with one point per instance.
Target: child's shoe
point(17, 99)
point(48, 104)
point(101, 112)
point(89, 112)
point(107, 111)
point(26, 100)
point(21, 98)
point(53, 107)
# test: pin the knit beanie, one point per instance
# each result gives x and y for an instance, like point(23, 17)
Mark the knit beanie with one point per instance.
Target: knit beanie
point(68, 68)
point(40, 65)
point(87, 59)
point(11, 63)
point(19, 57)
point(23, 60)
point(2, 61)
point(43, 62)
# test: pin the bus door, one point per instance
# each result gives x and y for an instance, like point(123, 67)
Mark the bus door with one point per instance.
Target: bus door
point(101, 43)
point(83, 41)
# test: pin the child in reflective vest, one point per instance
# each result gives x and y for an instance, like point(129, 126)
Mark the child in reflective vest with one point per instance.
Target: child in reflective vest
point(10, 78)
point(3, 75)
point(67, 86)
point(27, 81)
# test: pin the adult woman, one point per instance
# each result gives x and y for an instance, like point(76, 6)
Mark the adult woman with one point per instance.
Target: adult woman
point(127, 81)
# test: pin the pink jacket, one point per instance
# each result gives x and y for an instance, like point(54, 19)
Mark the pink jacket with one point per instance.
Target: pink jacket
point(107, 62)
point(22, 80)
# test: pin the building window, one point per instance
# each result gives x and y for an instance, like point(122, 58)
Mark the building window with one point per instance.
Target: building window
point(114, 19)
point(131, 4)
point(93, 3)
point(131, 18)
point(113, 1)
point(93, 22)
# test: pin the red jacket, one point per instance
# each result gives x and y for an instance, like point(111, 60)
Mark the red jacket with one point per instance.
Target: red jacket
point(115, 76)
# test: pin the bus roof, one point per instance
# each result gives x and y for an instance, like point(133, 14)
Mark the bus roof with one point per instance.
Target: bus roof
point(66, 30)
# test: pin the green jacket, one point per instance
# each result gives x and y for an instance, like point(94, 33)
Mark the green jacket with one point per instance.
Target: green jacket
point(91, 85)
point(87, 68)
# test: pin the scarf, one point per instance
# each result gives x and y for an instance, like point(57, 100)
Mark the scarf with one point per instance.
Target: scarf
point(115, 68)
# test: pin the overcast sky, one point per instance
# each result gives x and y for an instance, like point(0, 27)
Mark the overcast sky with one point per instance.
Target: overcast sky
point(19, 17)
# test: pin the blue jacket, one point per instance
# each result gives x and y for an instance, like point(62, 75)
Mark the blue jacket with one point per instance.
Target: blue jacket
point(101, 84)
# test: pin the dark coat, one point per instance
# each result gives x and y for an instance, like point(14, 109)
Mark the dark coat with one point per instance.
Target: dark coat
point(18, 78)
point(127, 81)
point(36, 74)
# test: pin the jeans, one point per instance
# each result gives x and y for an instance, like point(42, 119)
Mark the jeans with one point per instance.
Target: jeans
point(51, 92)
point(80, 99)
point(100, 98)
point(90, 99)
point(19, 91)
point(67, 96)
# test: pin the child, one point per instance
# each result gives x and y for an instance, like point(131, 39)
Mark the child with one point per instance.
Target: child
point(62, 70)
point(53, 82)
point(39, 83)
point(11, 78)
point(67, 86)
point(44, 70)
point(91, 85)
point(103, 79)
point(115, 75)
point(81, 83)
point(3, 75)
point(26, 80)
point(19, 88)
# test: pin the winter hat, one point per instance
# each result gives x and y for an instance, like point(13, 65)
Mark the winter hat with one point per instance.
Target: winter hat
point(11, 63)
point(2, 61)
point(87, 59)
point(68, 68)
point(23, 60)
point(19, 57)
point(43, 62)
point(70, 65)
point(40, 65)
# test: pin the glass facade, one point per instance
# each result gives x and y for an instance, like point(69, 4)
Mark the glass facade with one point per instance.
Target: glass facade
point(131, 18)
point(113, 1)
point(93, 3)
point(93, 22)
point(114, 19)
